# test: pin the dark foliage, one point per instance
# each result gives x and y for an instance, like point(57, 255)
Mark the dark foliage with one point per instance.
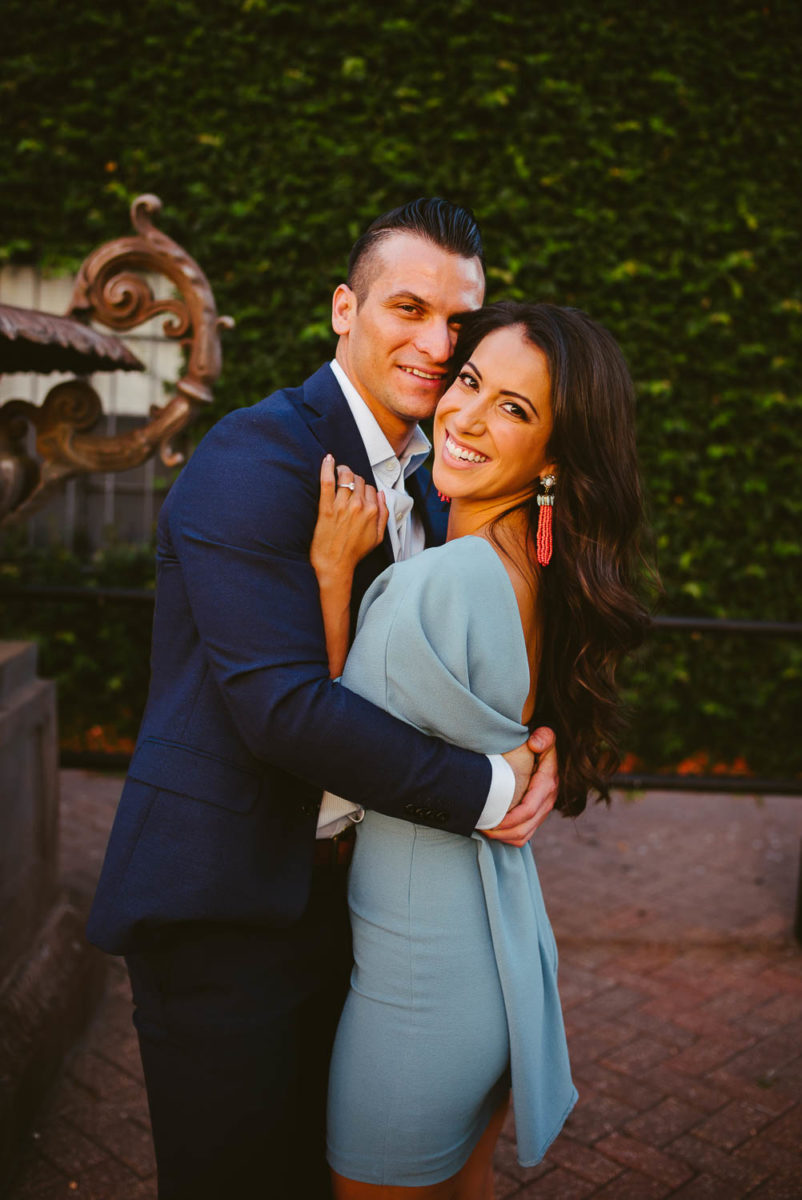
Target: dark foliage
point(640, 162)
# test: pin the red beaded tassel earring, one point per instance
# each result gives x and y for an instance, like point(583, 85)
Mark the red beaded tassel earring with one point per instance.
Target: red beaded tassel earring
point(545, 504)
point(444, 498)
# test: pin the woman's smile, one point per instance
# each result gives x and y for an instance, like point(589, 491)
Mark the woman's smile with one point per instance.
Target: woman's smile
point(460, 453)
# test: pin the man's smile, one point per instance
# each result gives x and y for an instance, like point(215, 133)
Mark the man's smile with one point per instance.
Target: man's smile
point(419, 373)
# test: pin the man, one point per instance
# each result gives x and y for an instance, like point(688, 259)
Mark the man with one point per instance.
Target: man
point(220, 884)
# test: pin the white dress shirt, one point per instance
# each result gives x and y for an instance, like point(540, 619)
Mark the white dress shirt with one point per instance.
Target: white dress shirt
point(407, 537)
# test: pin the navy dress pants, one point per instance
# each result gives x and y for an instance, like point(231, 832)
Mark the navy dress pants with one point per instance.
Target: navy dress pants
point(235, 1031)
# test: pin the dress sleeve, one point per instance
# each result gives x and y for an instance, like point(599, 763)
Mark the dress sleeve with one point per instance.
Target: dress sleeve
point(439, 644)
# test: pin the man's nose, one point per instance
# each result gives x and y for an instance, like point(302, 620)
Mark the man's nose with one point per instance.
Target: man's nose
point(436, 339)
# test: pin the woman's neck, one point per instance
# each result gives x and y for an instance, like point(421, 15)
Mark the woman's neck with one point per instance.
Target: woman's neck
point(476, 516)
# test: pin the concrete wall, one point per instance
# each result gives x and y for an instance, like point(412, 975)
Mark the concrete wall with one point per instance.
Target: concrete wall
point(50, 978)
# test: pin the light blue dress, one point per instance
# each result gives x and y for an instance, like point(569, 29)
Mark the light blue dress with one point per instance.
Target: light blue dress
point(454, 988)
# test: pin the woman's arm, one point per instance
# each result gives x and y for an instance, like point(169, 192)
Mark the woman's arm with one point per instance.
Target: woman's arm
point(351, 521)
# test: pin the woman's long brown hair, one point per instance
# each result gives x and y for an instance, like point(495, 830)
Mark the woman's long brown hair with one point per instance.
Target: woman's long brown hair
point(588, 594)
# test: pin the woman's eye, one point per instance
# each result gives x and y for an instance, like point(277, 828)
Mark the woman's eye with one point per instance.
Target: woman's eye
point(468, 379)
point(514, 409)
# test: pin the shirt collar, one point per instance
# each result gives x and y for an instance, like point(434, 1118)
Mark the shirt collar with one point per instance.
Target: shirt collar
point(379, 451)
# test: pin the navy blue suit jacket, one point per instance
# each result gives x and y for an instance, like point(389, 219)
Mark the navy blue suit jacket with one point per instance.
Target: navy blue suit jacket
point(243, 727)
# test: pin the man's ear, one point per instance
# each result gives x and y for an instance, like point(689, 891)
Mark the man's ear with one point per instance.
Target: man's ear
point(343, 307)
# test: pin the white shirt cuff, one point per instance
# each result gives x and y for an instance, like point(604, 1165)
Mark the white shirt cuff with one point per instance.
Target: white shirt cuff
point(501, 794)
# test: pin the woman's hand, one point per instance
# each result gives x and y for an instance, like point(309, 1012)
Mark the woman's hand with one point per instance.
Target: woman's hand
point(351, 520)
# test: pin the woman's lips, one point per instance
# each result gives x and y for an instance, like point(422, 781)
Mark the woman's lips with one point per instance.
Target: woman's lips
point(462, 454)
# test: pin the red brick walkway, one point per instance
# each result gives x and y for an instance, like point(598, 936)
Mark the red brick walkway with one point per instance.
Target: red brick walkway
point(682, 991)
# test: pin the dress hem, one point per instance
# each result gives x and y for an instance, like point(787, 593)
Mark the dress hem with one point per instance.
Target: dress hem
point(422, 1179)
point(433, 1177)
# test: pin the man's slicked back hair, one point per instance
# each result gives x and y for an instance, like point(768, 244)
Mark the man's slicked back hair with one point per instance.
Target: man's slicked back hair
point(449, 226)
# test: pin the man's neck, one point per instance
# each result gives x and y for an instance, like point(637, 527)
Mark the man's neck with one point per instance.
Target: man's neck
point(395, 429)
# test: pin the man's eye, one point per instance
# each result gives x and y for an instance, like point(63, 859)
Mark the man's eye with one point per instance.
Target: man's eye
point(408, 308)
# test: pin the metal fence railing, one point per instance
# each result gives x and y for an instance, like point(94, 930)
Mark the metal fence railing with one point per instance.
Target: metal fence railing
point(636, 781)
point(633, 781)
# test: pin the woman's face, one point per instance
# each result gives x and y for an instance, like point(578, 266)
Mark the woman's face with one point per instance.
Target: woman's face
point(493, 425)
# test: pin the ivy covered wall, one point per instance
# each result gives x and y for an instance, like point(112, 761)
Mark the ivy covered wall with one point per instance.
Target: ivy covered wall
point(640, 161)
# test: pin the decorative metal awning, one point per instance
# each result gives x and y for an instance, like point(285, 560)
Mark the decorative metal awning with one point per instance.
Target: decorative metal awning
point(112, 288)
point(42, 342)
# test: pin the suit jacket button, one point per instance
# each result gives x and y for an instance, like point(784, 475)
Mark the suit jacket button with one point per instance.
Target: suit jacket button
point(442, 816)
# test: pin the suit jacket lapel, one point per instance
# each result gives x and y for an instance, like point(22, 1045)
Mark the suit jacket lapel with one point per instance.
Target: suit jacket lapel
point(432, 510)
point(331, 421)
point(333, 425)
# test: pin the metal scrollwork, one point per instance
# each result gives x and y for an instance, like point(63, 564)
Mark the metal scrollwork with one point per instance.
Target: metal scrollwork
point(116, 297)
point(111, 289)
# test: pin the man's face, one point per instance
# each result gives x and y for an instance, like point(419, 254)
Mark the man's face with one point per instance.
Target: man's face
point(396, 344)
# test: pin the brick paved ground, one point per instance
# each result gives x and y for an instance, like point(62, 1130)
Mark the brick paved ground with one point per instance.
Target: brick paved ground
point(682, 991)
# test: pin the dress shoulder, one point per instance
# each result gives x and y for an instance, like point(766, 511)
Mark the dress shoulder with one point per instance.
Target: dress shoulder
point(439, 643)
point(466, 574)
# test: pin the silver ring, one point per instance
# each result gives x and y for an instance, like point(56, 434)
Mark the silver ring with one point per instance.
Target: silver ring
point(350, 486)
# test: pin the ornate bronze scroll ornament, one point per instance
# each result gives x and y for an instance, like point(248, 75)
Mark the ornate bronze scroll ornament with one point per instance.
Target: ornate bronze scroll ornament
point(109, 289)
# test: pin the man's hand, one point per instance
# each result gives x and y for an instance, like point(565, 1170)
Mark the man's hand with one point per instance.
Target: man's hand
point(538, 791)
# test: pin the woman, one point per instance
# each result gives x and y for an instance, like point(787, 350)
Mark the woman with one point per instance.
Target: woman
point(521, 616)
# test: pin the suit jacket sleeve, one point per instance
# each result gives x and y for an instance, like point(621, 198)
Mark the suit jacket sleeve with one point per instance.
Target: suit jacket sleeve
point(236, 528)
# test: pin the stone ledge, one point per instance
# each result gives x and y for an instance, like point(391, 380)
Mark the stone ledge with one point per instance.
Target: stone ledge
point(44, 1006)
point(17, 667)
point(28, 803)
